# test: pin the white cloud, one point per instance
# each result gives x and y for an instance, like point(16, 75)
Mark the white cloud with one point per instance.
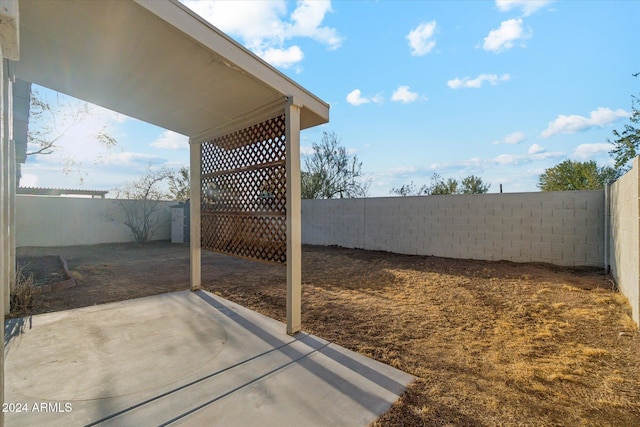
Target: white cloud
point(171, 140)
point(512, 138)
point(475, 164)
point(284, 58)
point(519, 159)
point(306, 151)
point(504, 38)
point(536, 149)
point(264, 27)
point(128, 158)
point(355, 98)
point(574, 123)
point(478, 165)
point(307, 20)
point(421, 39)
point(527, 7)
point(404, 95)
point(588, 151)
point(468, 82)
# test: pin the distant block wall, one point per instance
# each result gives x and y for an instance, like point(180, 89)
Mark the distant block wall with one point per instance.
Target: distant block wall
point(66, 221)
point(624, 248)
point(563, 228)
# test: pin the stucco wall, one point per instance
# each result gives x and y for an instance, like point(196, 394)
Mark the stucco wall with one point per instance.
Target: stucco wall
point(563, 228)
point(625, 236)
point(65, 221)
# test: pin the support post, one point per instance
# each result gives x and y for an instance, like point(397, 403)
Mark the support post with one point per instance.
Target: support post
point(13, 185)
point(607, 227)
point(3, 267)
point(294, 228)
point(194, 215)
point(6, 191)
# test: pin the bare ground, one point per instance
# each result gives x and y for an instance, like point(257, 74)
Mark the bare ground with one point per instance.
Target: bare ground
point(491, 343)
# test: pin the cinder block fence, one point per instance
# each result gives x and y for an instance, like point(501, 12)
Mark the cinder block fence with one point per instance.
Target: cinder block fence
point(564, 228)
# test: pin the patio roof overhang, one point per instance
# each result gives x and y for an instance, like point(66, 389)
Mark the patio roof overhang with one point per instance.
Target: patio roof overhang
point(156, 61)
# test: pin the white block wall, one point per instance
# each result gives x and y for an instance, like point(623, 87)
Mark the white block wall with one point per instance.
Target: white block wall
point(563, 228)
point(66, 221)
point(625, 236)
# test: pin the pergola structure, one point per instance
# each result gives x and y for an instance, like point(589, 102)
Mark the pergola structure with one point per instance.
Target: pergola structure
point(159, 62)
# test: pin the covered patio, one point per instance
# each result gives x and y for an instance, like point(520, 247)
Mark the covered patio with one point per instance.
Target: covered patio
point(191, 356)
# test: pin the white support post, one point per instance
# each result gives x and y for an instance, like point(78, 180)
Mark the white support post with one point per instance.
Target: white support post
point(13, 185)
point(3, 296)
point(194, 215)
point(294, 233)
point(6, 205)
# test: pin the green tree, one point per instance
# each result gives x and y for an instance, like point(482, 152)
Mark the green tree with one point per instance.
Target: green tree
point(439, 186)
point(570, 175)
point(331, 172)
point(626, 145)
point(473, 185)
point(469, 185)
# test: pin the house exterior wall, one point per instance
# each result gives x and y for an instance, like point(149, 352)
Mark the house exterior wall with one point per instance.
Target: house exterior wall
point(563, 228)
point(66, 221)
point(624, 248)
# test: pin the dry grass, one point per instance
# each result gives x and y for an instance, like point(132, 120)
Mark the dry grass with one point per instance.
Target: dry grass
point(24, 292)
point(491, 343)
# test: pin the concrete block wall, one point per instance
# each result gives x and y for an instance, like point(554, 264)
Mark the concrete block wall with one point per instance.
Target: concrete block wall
point(563, 228)
point(66, 221)
point(624, 247)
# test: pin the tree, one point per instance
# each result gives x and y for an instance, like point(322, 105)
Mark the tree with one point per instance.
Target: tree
point(440, 187)
point(331, 172)
point(473, 185)
point(180, 184)
point(140, 203)
point(570, 175)
point(469, 185)
point(410, 190)
point(626, 146)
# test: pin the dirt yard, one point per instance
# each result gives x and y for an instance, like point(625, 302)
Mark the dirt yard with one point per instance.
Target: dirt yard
point(491, 343)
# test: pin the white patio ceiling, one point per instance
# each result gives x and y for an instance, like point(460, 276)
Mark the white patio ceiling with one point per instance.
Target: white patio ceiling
point(152, 60)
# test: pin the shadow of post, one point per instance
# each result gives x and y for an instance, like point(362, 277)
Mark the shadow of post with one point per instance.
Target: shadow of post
point(15, 327)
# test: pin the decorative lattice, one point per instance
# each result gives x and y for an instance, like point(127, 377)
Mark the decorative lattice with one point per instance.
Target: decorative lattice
point(244, 192)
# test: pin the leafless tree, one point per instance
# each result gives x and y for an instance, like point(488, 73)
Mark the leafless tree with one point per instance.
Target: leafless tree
point(140, 203)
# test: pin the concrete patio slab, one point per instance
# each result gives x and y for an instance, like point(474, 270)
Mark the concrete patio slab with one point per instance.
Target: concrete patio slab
point(185, 358)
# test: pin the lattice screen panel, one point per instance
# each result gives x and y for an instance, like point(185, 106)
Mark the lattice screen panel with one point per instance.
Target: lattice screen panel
point(244, 192)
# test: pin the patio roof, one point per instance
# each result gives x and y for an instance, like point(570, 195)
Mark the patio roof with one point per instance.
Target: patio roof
point(156, 61)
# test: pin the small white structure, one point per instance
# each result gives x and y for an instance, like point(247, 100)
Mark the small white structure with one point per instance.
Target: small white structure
point(179, 223)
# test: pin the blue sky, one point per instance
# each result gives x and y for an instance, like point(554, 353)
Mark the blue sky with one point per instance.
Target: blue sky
point(499, 89)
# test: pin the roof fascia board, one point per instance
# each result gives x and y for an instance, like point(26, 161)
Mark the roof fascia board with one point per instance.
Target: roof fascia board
point(234, 54)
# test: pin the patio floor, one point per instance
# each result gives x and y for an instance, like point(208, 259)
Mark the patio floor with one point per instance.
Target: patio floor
point(185, 358)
